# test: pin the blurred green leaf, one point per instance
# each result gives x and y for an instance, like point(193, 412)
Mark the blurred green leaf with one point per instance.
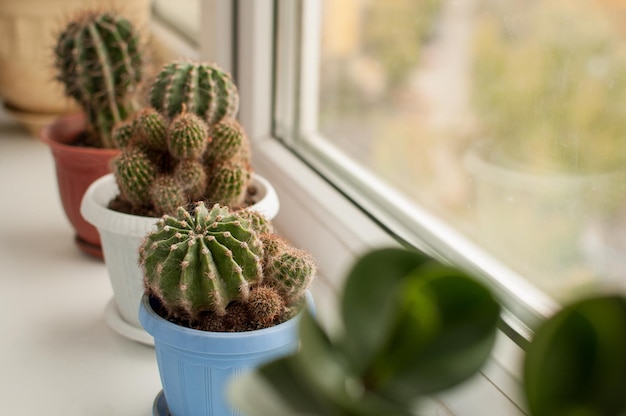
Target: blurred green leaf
point(576, 364)
point(370, 300)
point(443, 333)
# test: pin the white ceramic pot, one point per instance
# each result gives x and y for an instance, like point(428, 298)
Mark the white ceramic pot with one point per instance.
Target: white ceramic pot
point(122, 234)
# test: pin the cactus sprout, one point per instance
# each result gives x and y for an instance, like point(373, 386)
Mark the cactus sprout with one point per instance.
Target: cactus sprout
point(191, 177)
point(287, 269)
point(227, 139)
point(98, 59)
point(227, 184)
point(150, 129)
point(187, 136)
point(134, 172)
point(166, 194)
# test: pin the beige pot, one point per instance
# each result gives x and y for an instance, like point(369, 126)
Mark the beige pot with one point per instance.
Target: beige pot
point(28, 30)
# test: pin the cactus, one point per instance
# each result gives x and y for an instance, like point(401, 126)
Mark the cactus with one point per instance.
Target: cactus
point(200, 88)
point(264, 306)
point(201, 261)
point(166, 194)
point(98, 59)
point(227, 139)
point(149, 129)
point(258, 222)
point(192, 178)
point(134, 173)
point(187, 136)
point(287, 269)
point(227, 184)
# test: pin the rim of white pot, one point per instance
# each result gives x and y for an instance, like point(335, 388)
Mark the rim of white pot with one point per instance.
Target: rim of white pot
point(94, 206)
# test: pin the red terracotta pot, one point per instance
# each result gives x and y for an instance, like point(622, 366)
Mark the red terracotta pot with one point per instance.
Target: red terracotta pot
point(76, 168)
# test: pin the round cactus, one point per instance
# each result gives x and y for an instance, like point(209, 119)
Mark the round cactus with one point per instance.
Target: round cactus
point(98, 59)
point(149, 128)
point(166, 194)
point(227, 139)
point(200, 261)
point(134, 173)
point(122, 133)
point(199, 88)
point(265, 305)
point(187, 136)
point(287, 269)
point(257, 221)
point(192, 178)
point(227, 184)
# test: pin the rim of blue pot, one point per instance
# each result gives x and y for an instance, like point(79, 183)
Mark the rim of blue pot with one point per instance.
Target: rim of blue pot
point(190, 339)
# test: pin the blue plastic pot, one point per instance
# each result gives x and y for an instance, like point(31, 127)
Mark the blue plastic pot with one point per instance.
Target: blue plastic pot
point(196, 366)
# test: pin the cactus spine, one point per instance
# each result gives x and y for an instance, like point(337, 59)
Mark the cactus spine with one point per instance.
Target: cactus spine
point(97, 58)
point(209, 266)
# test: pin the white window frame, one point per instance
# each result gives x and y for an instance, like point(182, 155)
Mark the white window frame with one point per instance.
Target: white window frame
point(315, 215)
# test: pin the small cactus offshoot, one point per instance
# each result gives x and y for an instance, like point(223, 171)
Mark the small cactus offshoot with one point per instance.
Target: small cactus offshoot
point(208, 265)
point(98, 60)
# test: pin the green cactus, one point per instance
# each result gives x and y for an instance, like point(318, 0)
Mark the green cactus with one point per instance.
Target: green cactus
point(187, 136)
point(166, 194)
point(227, 184)
point(287, 269)
point(134, 173)
point(201, 261)
point(227, 140)
point(149, 129)
point(200, 88)
point(122, 133)
point(192, 178)
point(258, 222)
point(98, 59)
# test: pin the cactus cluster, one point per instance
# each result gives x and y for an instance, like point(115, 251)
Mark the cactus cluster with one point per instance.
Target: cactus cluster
point(223, 267)
point(186, 148)
point(99, 61)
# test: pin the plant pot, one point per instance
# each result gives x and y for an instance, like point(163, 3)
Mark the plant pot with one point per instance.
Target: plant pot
point(122, 234)
point(76, 168)
point(196, 366)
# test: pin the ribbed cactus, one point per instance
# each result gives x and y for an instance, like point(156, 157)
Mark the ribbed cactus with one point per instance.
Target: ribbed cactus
point(98, 59)
point(227, 184)
point(187, 137)
point(201, 261)
point(227, 139)
point(134, 173)
point(200, 88)
point(287, 269)
point(208, 267)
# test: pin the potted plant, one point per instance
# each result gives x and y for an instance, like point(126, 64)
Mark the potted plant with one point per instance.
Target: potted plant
point(410, 327)
point(186, 147)
point(223, 293)
point(25, 73)
point(99, 61)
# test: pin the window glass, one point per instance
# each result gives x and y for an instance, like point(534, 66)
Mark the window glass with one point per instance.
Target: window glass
point(505, 118)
